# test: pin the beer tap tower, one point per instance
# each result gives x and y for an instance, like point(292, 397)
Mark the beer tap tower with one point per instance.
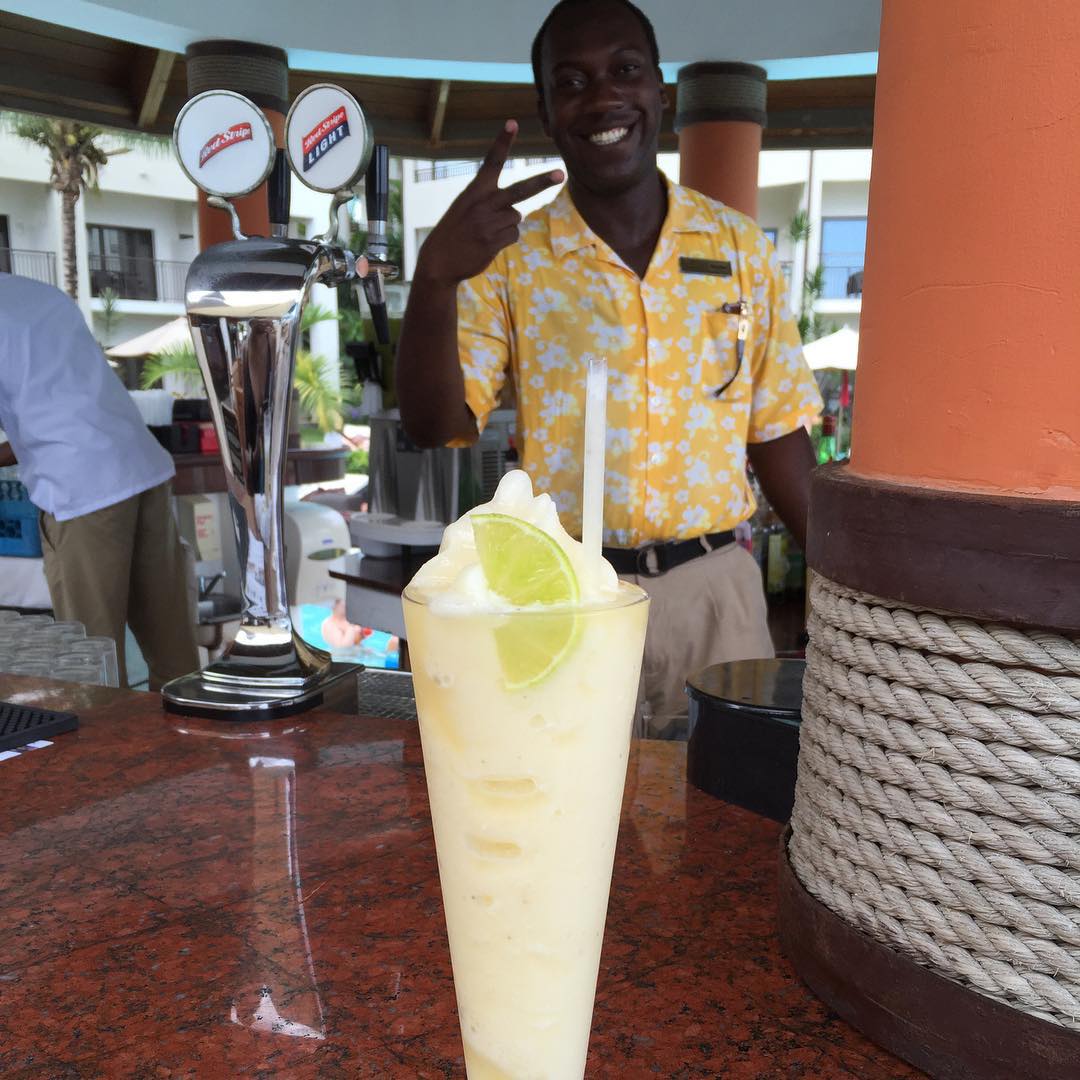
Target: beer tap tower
point(244, 302)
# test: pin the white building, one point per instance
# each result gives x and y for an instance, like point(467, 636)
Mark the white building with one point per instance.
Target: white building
point(831, 187)
point(135, 234)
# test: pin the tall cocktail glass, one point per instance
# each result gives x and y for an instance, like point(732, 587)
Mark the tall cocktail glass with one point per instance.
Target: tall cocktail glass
point(525, 785)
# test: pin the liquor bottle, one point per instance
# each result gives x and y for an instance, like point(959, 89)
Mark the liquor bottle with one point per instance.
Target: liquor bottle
point(826, 450)
point(776, 561)
point(759, 523)
point(795, 583)
point(510, 456)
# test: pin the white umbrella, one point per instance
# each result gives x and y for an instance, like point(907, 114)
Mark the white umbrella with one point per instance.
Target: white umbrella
point(175, 332)
point(839, 351)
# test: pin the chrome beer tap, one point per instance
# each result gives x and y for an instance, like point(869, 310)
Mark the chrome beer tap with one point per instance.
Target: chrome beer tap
point(245, 299)
point(381, 270)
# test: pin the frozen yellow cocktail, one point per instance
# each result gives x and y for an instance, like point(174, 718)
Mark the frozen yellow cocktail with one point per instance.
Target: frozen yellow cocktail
point(526, 656)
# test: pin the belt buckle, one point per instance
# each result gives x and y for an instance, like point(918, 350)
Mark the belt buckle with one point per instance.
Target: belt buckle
point(642, 561)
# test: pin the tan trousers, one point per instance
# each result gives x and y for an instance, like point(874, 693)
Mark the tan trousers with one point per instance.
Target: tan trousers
point(125, 564)
point(707, 611)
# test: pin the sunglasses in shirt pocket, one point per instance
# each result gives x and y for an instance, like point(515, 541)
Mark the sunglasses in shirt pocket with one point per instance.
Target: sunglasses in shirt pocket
point(724, 365)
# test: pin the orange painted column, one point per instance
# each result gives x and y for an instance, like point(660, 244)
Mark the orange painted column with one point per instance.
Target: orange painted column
point(720, 114)
point(260, 73)
point(963, 490)
point(970, 330)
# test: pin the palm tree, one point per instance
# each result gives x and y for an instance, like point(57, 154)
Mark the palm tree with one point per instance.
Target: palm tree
point(77, 155)
point(75, 158)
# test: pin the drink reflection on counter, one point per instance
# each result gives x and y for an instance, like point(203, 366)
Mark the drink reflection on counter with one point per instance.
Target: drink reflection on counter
point(282, 995)
point(277, 992)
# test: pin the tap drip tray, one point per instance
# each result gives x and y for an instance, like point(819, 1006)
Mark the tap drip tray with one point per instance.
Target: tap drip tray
point(387, 694)
point(195, 695)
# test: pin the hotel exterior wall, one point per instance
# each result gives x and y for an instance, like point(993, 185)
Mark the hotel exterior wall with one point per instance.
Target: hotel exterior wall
point(788, 181)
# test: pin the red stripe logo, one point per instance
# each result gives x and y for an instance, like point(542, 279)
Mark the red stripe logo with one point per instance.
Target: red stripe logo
point(321, 130)
point(238, 133)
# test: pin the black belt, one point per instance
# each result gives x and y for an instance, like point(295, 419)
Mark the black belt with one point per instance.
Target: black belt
point(667, 555)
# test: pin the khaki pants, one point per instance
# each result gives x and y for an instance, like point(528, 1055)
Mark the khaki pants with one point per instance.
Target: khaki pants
point(707, 611)
point(125, 564)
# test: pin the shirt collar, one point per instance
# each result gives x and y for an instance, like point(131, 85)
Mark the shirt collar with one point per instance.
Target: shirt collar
point(569, 232)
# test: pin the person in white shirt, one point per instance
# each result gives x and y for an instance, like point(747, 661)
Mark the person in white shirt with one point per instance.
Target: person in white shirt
point(111, 548)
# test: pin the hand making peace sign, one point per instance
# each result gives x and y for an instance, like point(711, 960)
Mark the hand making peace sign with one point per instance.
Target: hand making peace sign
point(482, 220)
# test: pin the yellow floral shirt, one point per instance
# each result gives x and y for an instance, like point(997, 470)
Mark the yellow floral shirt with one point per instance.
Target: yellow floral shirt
point(676, 454)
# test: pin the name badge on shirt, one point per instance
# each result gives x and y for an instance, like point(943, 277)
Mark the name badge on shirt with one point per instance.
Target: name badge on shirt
point(709, 267)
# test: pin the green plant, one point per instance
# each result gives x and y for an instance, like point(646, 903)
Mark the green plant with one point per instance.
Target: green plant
point(109, 315)
point(357, 461)
point(395, 245)
point(319, 393)
point(357, 327)
point(178, 360)
point(351, 324)
point(799, 227)
point(316, 313)
point(810, 322)
point(319, 397)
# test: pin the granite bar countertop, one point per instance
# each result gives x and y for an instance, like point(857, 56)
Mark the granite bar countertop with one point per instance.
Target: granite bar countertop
point(188, 899)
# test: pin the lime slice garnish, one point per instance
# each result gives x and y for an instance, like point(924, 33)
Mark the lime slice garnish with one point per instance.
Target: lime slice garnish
point(528, 569)
point(521, 563)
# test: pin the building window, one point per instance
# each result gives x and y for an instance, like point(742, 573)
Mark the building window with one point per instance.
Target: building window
point(843, 247)
point(771, 234)
point(122, 260)
point(5, 245)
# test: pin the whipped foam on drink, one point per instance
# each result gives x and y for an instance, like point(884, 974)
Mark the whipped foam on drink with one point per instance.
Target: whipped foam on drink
point(454, 581)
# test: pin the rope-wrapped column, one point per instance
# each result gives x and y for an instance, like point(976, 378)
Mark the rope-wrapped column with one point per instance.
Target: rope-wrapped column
point(930, 891)
point(938, 800)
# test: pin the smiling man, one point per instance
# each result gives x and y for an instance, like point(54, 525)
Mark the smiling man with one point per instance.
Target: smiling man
point(684, 297)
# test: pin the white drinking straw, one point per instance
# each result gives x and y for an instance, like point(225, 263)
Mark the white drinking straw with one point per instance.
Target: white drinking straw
point(592, 499)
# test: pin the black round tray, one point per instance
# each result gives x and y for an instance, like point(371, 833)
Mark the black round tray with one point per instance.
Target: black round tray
point(744, 733)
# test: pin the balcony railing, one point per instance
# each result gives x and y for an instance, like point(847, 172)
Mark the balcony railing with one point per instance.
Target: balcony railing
point(134, 278)
point(441, 170)
point(39, 265)
point(842, 282)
